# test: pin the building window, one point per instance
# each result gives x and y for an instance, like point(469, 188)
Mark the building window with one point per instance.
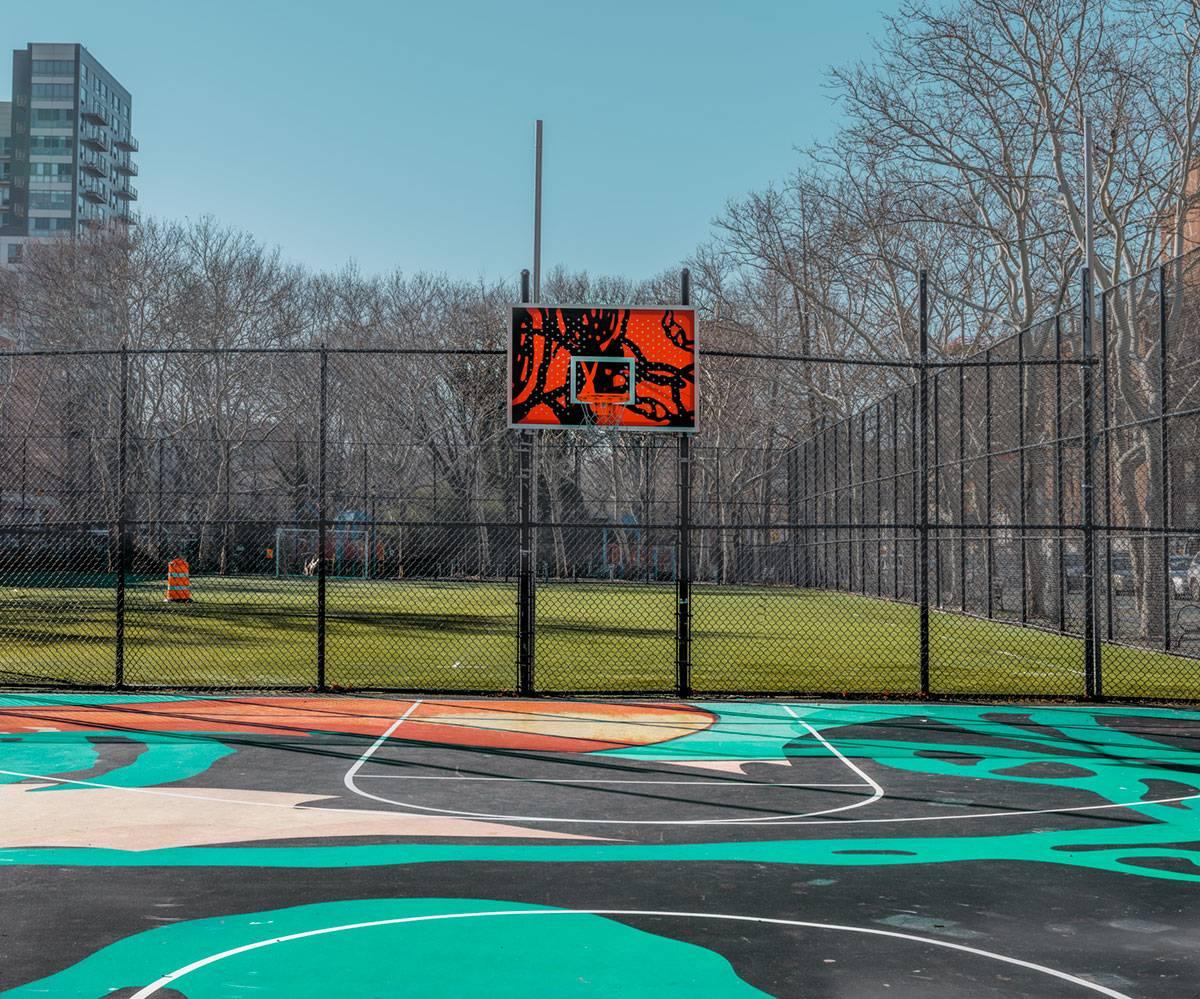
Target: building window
point(52, 91)
point(55, 67)
point(50, 200)
point(14, 253)
point(50, 173)
point(53, 118)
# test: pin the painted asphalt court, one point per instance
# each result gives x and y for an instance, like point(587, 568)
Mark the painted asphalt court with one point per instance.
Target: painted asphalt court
point(294, 846)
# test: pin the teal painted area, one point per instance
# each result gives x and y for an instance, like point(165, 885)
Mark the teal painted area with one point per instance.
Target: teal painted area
point(497, 956)
point(742, 731)
point(45, 753)
point(1118, 850)
point(164, 759)
point(1110, 766)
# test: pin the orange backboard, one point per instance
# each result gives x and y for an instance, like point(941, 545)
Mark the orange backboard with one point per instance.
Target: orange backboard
point(567, 361)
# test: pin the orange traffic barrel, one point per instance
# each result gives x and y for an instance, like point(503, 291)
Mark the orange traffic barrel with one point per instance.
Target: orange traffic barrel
point(178, 584)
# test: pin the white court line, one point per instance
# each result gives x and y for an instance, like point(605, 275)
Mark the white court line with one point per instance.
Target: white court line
point(147, 991)
point(878, 791)
point(779, 819)
point(348, 780)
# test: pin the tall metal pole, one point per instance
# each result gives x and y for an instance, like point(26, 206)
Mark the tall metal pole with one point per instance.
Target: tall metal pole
point(537, 213)
point(526, 644)
point(1089, 237)
point(122, 517)
point(923, 497)
point(683, 576)
point(1091, 653)
point(1091, 644)
point(1164, 466)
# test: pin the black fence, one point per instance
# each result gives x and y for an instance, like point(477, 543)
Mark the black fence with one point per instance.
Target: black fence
point(1021, 521)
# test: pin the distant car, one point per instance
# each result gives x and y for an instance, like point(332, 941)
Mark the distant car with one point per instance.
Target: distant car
point(1121, 572)
point(1072, 564)
point(1179, 574)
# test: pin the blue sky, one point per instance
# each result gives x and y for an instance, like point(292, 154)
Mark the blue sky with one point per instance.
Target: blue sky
point(399, 134)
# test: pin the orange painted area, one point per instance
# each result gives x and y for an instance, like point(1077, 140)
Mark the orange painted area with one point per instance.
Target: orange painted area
point(536, 725)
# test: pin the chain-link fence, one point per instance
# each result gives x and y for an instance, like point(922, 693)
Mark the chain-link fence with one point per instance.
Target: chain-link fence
point(1023, 520)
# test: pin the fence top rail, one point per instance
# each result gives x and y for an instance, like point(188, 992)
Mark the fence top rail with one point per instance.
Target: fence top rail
point(216, 351)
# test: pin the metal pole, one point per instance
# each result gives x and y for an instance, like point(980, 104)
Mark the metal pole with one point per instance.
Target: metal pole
point(850, 502)
point(962, 490)
point(937, 489)
point(322, 514)
point(122, 515)
point(1105, 409)
point(683, 581)
point(1164, 456)
point(825, 504)
point(537, 214)
point(1089, 238)
point(1059, 502)
point(914, 507)
point(226, 459)
point(879, 487)
point(526, 595)
point(862, 502)
point(924, 486)
point(987, 482)
point(1091, 644)
point(896, 495)
point(158, 505)
point(1022, 511)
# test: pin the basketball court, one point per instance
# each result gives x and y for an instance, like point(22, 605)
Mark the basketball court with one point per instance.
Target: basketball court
point(173, 846)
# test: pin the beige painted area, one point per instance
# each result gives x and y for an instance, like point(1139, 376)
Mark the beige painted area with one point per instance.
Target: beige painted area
point(113, 818)
point(725, 766)
point(631, 725)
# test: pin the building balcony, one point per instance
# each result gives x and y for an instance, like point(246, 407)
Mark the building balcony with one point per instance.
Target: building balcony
point(127, 193)
point(94, 139)
point(126, 217)
point(97, 167)
point(92, 222)
point(94, 113)
point(127, 168)
point(127, 143)
point(92, 193)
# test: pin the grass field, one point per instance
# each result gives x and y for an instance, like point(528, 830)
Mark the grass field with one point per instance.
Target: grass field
point(252, 631)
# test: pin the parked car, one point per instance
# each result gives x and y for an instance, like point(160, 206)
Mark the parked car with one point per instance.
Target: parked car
point(1073, 571)
point(1193, 578)
point(1180, 564)
point(1121, 572)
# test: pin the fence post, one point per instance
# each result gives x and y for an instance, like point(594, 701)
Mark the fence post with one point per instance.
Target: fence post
point(122, 516)
point(322, 513)
point(526, 594)
point(962, 489)
point(896, 495)
point(990, 545)
point(1059, 501)
point(683, 581)
point(937, 488)
point(1108, 510)
point(924, 488)
point(862, 502)
point(1091, 646)
point(1022, 503)
point(1164, 455)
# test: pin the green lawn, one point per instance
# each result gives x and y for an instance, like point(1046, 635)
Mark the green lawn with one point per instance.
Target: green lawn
point(260, 631)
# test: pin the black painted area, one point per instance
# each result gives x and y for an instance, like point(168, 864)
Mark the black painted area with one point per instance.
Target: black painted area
point(1136, 935)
